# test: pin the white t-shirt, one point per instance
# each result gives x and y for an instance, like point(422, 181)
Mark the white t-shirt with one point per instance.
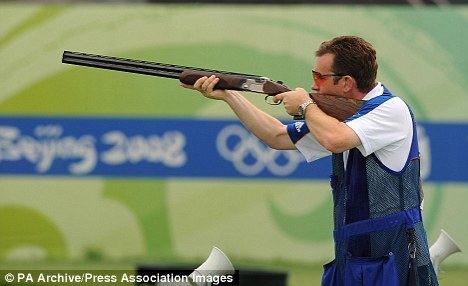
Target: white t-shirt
point(387, 131)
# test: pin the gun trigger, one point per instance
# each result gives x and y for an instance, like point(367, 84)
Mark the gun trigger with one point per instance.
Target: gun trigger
point(270, 101)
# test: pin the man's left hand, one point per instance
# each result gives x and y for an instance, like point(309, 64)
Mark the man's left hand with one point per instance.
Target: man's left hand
point(292, 99)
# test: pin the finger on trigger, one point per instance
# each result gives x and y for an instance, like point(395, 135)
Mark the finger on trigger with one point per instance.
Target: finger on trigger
point(277, 98)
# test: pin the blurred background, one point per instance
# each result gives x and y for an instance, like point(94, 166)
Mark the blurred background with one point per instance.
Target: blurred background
point(109, 170)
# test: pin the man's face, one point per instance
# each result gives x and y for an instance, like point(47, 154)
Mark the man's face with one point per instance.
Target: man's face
point(323, 81)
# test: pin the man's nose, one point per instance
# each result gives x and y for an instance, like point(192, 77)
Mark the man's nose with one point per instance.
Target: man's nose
point(314, 87)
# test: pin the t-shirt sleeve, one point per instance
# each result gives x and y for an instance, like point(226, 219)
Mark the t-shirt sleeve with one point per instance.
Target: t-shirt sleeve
point(305, 142)
point(386, 125)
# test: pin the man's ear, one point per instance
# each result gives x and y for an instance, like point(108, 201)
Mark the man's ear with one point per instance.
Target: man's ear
point(348, 83)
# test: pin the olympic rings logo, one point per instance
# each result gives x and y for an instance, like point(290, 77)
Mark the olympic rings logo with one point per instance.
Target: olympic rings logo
point(250, 157)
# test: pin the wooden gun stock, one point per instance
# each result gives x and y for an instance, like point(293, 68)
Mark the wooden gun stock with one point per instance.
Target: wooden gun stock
point(338, 107)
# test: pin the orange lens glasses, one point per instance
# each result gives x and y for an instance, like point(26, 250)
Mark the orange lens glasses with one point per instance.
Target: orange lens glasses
point(319, 78)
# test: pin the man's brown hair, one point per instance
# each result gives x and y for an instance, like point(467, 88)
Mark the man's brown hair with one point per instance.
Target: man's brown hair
point(353, 56)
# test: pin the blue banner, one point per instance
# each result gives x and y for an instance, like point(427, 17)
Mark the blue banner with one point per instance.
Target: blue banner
point(175, 147)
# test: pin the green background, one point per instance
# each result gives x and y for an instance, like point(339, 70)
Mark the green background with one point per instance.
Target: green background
point(270, 224)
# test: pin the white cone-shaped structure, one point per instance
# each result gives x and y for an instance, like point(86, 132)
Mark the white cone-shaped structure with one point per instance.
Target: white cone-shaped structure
point(442, 248)
point(216, 264)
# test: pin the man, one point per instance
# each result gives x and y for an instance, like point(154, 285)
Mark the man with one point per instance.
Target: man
point(379, 235)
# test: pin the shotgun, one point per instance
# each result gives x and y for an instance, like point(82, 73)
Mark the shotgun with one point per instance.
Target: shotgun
point(338, 107)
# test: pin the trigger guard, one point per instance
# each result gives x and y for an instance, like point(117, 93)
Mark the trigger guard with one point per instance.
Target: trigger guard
point(272, 102)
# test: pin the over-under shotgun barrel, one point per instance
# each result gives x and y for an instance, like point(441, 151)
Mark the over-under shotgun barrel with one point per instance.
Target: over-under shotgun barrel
point(136, 66)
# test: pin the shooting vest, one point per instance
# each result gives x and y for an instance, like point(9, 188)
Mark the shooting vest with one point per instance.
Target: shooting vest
point(379, 235)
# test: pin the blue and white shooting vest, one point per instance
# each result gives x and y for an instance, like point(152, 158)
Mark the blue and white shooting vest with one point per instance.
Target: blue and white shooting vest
point(376, 216)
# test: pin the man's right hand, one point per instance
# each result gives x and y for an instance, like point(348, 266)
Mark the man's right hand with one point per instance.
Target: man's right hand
point(205, 86)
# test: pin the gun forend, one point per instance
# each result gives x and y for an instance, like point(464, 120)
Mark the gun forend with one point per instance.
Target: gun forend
point(225, 81)
point(236, 82)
